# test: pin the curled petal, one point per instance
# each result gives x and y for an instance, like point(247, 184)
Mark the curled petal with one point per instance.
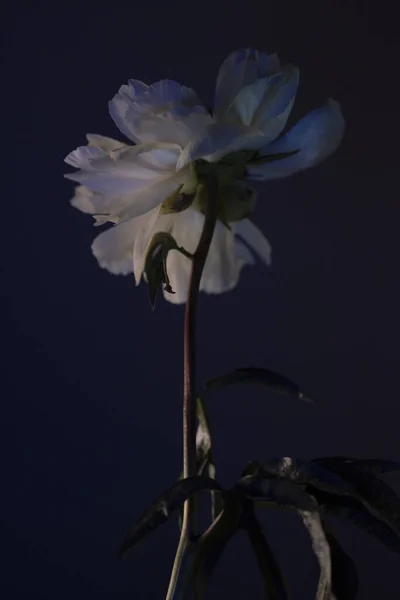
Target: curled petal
point(312, 139)
point(240, 69)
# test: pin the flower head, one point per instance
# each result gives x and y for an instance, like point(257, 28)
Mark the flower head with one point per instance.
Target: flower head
point(150, 187)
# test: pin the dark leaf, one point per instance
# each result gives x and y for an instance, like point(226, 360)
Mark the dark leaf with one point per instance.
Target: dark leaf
point(275, 491)
point(374, 493)
point(372, 465)
point(320, 545)
point(354, 512)
point(307, 473)
point(162, 508)
point(344, 572)
point(274, 583)
point(264, 377)
point(212, 542)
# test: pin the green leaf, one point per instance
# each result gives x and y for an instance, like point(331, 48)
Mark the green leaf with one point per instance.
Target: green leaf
point(264, 377)
point(162, 508)
point(274, 583)
point(155, 267)
point(213, 541)
point(375, 494)
point(345, 580)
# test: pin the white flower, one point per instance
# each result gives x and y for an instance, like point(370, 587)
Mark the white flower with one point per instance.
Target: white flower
point(253, 100)
point(131, 186)
point(126, 186)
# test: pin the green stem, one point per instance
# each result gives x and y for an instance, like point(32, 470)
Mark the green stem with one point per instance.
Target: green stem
point(209, 192)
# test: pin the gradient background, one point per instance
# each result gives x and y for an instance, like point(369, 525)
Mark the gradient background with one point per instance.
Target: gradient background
point(92, 379)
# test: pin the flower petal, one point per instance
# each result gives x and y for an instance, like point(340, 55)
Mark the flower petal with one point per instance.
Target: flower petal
point(224, 262)
point(266, 104)
point(240, 69)
point(127, 170)
point(220, 139)
point(163, 112)
point(120, 104)
point(115, 248)
point(254, 238)
point(104, 143)
point(84, 157)
point(315, 137)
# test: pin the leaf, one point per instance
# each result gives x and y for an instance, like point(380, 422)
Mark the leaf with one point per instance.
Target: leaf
point(345, 579)
point(338, 495)
point(275, 585)
point(212, 542)
point(264, 377)
point(155, 267)
point(372, 465)
point(276, 491)
point(354, 512)
point(307, 473)
point(163, 507)
point(374, 493)
point(312, 523)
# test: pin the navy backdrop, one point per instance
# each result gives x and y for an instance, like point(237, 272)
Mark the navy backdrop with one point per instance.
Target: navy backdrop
point(92, 379)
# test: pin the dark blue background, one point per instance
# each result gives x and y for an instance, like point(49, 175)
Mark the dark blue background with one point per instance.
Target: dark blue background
point(92, 378)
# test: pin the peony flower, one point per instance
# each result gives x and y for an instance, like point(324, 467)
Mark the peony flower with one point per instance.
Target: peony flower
point(150, 187)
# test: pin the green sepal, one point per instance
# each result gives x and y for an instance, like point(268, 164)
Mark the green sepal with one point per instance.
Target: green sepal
point(155, 267)
point(182, 198)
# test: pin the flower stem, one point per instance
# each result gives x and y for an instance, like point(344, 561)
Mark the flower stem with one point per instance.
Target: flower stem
point(208, 189)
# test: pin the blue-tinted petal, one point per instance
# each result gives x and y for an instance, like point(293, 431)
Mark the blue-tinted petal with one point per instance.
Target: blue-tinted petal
point(240, 69)
point(315, 137)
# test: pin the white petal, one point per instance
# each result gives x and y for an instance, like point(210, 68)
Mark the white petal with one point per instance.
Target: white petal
point(84, 157)
point(254, 238)
point(221, 139)
point(128, 170)
point(315, 137)
point(224, 262)
point(266, 104)
point(152, 195)
point(104, 143)
point(222, 268)
point(240, 69)
point(114, 248)
point(121, 103)
point(164, 112)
